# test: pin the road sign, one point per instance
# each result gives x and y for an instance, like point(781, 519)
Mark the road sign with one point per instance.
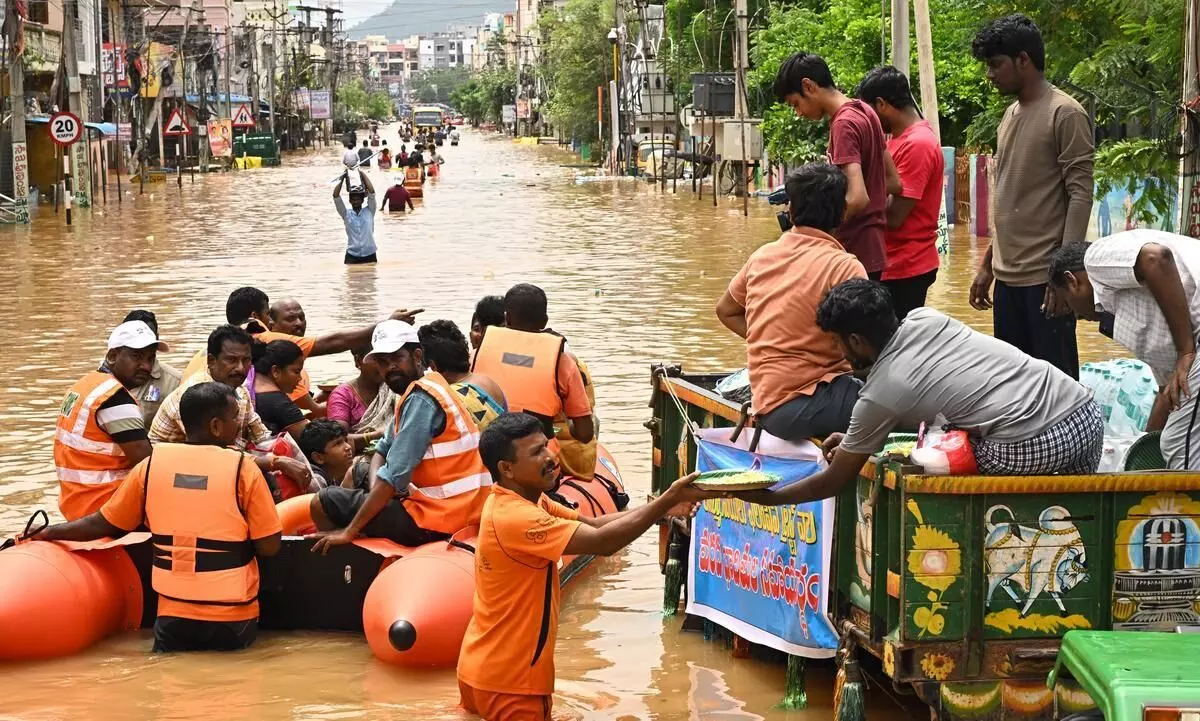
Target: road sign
point(65, 128)
point(243, 118)
point(176, 124)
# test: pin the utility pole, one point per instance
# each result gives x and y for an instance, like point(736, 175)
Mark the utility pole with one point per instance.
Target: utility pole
point(741, 62)
point(929, 100)
point(228, 95)
point(98, 19)
point(901, 53)
point(16, 92)
point(76, 99)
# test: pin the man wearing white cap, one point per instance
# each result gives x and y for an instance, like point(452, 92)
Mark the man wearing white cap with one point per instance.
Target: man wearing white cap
point(101, 433)
point(427, 480)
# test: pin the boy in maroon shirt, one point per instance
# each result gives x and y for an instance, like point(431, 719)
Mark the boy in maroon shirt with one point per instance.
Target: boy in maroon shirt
point(397, 197)
point(912, 215)
point(856, 145)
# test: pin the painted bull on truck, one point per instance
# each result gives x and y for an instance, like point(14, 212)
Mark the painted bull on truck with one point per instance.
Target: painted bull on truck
point(1047, 559)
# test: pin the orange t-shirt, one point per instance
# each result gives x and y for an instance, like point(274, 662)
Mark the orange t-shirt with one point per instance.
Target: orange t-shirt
point(127, 510)
point(780, 287)
point(199, 362)
point(509, 646)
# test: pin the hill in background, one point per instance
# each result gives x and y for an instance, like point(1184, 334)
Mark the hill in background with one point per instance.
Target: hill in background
point(413, 17)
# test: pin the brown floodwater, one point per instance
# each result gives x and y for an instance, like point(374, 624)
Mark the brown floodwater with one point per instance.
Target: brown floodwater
point(632, 275)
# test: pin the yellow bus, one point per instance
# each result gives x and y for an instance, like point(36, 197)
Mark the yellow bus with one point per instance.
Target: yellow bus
point(428, 116)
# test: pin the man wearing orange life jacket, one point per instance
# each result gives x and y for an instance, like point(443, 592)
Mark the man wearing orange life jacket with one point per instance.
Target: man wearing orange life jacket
point(427, 481)
point(250, 308)
point(101, 433)
point(210, 514)
point(533, 367)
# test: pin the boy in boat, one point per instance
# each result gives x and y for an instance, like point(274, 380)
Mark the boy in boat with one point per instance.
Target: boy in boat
point(211, 514)
point(802, 385)
point(426, 480)
point(1142, 287)
point(330, 451)
point(1025, 417)
point(101, 433)
point(506, 667)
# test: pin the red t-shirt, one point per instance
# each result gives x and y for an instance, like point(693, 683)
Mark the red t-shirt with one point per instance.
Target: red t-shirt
point(855, 136)
point(912, 248)
point(397, 198)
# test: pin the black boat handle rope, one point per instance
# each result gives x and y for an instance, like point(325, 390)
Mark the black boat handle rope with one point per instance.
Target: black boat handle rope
point(10, 542)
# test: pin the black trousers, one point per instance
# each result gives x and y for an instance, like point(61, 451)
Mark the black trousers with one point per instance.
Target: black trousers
point(1018, 319)
point(393, 522)
point(172, 633)
point(826, 411)
point(358, 260)
point(909, 293)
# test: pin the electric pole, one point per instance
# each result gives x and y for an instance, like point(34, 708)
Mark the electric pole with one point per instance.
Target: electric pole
point(929, 100)
point(16, 93)
point(76, 99)
point(901, 53)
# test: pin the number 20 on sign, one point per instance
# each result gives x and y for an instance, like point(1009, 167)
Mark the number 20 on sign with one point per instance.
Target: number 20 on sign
point(65, 128)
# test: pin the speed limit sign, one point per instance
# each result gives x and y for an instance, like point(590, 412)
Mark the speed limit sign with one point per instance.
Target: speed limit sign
point(65, 128)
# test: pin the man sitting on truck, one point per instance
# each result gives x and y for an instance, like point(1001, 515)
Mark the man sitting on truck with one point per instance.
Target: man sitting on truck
point(802, 386)
point(1024, 416)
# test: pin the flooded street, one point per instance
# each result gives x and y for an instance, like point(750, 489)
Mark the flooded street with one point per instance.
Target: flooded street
point(632, 275)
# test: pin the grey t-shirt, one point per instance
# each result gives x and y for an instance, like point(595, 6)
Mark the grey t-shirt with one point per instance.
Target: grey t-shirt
point(935, 364)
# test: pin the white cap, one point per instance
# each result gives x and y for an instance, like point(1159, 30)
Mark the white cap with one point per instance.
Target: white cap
point(392, 335)
point(134, 334)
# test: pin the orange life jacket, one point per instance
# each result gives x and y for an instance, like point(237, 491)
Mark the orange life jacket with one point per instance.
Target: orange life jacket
point(578, 459)
point(450, 484)
point(89, 464)
point(203, 554)
point(526, 367)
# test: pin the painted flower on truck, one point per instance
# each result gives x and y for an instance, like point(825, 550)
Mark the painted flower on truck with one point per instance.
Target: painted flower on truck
point(935, 561)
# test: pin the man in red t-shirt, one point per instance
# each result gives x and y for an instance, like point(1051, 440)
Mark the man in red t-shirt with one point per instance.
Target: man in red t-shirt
point(397, 197)
point(856, 145)
point(912, 216)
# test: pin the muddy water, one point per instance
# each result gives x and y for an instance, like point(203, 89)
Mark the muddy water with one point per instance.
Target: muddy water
point(632, 276)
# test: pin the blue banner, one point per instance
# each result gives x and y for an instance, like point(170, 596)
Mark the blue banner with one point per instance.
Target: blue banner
point(763, 572)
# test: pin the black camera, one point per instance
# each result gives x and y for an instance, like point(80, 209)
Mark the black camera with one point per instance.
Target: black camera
point(779, 197)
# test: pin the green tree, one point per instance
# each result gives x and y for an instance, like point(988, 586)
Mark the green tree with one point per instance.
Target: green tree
point(575, 61)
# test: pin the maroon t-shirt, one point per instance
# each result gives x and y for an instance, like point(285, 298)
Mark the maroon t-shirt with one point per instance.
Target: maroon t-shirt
point(855, 136)
point(396, 198)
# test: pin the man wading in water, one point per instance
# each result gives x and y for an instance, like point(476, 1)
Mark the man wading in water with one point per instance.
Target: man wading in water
point(359, 221)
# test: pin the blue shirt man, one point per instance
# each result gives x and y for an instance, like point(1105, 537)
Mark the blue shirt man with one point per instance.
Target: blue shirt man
point(358, 219)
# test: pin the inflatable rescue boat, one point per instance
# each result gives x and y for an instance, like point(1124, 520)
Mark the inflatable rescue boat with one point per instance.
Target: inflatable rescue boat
point(59, 598)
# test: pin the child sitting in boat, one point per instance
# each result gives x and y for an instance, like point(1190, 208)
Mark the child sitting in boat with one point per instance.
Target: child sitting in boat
point(328, 447)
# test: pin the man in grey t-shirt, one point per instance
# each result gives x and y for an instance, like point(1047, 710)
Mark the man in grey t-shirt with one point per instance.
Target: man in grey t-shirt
point(1024, 416)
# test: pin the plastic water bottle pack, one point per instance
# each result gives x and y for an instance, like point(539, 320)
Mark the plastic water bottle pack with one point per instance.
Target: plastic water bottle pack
point(1125, 391)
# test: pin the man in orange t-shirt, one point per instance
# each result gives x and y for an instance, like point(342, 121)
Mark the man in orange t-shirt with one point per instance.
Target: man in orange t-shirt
point(251, 308)
point(801, 383)
point(506, 666)
point(206, 535)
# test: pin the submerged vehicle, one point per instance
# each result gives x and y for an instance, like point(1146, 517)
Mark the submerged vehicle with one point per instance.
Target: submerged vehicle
point(962, 587)
point(414, 604)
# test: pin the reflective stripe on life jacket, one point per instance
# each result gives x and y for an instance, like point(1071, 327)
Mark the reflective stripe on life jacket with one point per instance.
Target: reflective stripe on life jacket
point(450, 484)
point(525, 365)
point(202, 549)
point(88, 463)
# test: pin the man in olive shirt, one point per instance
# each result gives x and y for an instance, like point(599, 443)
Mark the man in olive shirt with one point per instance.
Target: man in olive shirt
point(1042, 193)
